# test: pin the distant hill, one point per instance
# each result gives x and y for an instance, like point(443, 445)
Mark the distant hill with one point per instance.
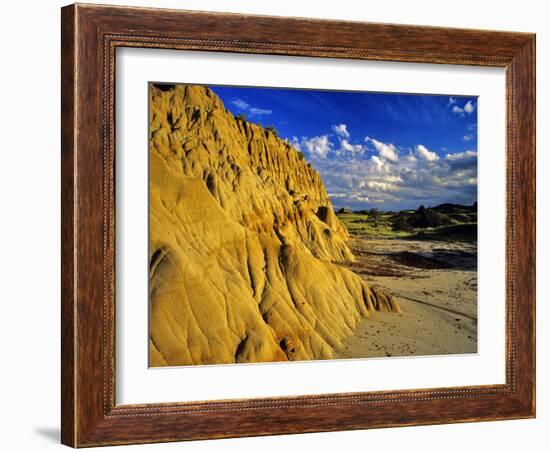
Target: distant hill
point(345, 210)
point(445, 208)
point(455, 208)
point(433, 217)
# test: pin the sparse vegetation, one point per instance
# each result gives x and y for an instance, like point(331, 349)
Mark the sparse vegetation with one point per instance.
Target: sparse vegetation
point(361, 224)
point(456, 232)
point(400, 222)
point(444, 222)
point(374, 215)
point(422, 218)
point(272, 129)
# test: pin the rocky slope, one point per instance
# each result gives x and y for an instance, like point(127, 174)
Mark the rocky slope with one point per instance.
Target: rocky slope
point(243, 240)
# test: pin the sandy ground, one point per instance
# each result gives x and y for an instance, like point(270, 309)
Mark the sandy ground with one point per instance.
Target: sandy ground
point(436, 285)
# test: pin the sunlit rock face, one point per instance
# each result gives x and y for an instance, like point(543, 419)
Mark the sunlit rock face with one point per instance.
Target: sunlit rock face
point(244, 243)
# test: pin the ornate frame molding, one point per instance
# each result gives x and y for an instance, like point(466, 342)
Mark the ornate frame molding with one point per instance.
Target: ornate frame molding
point(90, 36)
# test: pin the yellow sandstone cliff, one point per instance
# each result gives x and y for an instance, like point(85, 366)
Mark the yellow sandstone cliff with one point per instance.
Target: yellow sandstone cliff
point(243, 240)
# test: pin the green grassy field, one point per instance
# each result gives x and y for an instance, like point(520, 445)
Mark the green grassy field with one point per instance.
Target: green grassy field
point(382, 226)
point(363, 225)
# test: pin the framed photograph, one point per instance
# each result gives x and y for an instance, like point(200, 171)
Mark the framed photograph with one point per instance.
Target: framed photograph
point(282, 225)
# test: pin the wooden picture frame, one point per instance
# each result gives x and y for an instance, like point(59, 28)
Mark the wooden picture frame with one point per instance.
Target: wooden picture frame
point(90, 36)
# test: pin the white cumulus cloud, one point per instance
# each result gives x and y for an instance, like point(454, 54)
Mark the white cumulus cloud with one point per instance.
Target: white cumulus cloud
point(350, 147)
point(458, 110)
point(386, 178)
point(317, 146)
point(469, 107)
point(425, 154)
point(410, 157)
point(381, 186)
point(341, 130)
point(386, 150)
point(379, 164)
point(461, 155)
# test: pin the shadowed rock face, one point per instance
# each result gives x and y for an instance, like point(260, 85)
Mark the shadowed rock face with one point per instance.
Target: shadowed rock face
point(242, 243)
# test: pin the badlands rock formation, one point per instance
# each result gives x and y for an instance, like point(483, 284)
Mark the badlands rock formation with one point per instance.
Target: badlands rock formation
point(243, 242)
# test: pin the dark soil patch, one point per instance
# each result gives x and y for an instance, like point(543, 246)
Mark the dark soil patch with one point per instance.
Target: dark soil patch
point(418, 261)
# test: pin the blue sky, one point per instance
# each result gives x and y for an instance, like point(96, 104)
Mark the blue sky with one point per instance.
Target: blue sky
point(391, 151)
